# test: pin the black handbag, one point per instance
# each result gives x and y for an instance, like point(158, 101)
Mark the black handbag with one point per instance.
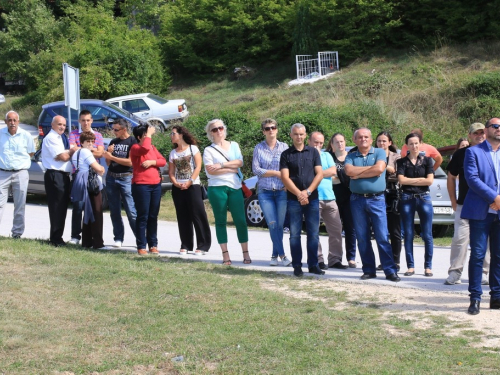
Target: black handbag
point(392, 197)
point(93, 186)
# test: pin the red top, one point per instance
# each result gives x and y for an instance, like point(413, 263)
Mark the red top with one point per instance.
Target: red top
point(138, 155)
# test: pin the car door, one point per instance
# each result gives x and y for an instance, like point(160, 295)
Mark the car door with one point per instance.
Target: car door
point(138, 107)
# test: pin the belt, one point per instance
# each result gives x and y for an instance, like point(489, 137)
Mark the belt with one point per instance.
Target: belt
point(274, 189)
point(418, 195)
point(11, 170)
point(370, 194)
point(118, 175)
point(58, 171)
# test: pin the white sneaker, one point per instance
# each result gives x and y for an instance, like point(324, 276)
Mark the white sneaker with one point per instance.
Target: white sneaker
point(118, 244)
point(74, 241)
point(285, 261)
point(104, 248)
point(274, 261)
point(199, 252)
point(453, 278)
point(183, 252)
point(484, 279)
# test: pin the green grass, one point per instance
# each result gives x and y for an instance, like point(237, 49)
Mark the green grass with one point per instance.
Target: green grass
point(111, 312)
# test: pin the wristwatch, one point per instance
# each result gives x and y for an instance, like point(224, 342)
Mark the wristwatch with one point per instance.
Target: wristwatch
point(308, 192)
point(191, 180)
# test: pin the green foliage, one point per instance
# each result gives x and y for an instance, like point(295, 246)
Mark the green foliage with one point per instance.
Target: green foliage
point(304, 42)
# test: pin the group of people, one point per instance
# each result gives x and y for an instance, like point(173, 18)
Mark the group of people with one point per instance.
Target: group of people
point(368, 190)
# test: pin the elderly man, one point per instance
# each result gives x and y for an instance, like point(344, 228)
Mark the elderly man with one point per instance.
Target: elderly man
point(85, 120)
point(56, 161)
point(16, 149)
point(301, 173)
point(460, 241)
point(366, 167)
point(482, 209)
point(119, 180)
point(328, 209)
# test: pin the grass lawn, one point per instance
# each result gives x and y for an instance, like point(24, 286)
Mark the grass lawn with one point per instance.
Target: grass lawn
point(64, 310)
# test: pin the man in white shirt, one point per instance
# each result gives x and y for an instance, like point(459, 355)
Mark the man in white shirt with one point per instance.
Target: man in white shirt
point(16, 149)
point(56, 161)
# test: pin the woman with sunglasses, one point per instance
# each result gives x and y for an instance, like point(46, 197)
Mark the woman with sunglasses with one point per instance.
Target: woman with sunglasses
point(415, 174)
point(146, 188)
point(222, 161)
point(271, 191)
point(184, 171)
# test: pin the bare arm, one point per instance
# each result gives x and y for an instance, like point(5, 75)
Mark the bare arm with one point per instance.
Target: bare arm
point(98, 168)
point(438, 160)
point(452, 191)
point(66, 155)
point(97, 152)
point(330, 172)
point(122, 161)
point(419, 181)
point(365, 172)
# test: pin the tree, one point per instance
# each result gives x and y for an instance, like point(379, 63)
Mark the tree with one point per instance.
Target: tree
point(304, 42)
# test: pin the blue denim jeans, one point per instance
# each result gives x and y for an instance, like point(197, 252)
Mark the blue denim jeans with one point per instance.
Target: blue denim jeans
point(423, 206)
point(368, 213)
point(480, 230)
point(147, 203)
point(273, 205)
point(119, 192)
point(311, 214)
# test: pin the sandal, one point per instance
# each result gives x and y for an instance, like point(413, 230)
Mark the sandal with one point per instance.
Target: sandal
point(246, 260)
point(428, 272)
point(226, 262)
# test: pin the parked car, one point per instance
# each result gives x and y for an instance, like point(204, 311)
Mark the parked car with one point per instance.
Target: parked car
point(444, 215)
point(36, 176)
point(156, 110)
point(103, 113)
point(2, 99)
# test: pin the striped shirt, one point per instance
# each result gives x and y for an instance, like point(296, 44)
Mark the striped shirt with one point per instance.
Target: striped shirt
point(265, 159)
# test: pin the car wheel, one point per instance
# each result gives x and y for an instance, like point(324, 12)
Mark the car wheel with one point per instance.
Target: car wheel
point(253, 212)
point(159, 126)
point(104, 199)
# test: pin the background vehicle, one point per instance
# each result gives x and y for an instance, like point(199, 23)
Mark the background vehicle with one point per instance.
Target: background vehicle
point(156, 110)
point(102, 113)
point(2, 99)
point(37, 171)
point(444, 215)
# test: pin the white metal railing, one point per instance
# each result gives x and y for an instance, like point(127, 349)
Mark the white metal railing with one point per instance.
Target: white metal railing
point(309, 67)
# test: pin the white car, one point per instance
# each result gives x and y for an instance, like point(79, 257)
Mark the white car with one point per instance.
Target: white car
point(153, 109)
point(2, 99)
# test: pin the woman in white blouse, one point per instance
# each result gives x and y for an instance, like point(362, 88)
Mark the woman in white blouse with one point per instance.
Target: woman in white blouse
point(222, 161)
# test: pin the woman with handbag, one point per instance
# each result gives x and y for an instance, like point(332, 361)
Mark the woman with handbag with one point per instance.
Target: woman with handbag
point(384, 141)
point(146, 188)
point(184, 170)
point(271, 191)
point(415, 174)
point(86, 188)
point(222, 161)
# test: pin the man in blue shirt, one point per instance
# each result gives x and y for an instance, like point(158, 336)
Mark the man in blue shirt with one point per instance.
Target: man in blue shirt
point(16, 149)
point(328, 209)
point(366, 167)
point(301, 173)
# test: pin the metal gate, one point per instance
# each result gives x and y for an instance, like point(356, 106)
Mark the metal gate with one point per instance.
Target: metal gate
point(310, 67)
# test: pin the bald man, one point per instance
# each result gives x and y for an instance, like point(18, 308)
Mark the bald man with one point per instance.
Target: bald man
point(56, 161)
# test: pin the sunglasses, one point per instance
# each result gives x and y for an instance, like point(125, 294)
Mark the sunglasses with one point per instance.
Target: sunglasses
point(116, 130)
point(270, 128)
point(215, 130)
point(173, 133)
point(494, 126)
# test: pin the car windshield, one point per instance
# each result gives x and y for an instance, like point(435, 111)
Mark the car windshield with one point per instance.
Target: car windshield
point(157, 99)
point(122, 111)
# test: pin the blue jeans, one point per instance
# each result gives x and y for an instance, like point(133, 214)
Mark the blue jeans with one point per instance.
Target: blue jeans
point(423, 205)
point(311, 213)
point(370, 212)
point(147, 203)
point(119, 191)
point(273, 205)
point(480, 230)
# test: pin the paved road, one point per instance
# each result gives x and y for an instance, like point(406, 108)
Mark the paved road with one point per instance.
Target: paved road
point(37, 226)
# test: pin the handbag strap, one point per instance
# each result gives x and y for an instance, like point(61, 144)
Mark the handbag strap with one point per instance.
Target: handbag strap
point(216, 149)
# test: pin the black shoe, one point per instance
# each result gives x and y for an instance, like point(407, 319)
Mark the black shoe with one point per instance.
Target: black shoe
point(57, 244)
point(367, 276)
point(495, 303)
point(322, 266)
point(316, 270)
point(393, 277)
point(379, 268)
point(474, 307)
point(397, 267)
point(339, 266)
point(297, 271)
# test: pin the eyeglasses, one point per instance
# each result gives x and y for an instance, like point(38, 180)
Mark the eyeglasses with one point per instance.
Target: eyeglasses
point(494, 126)
point(116, 130)
point(218, 129)
point(173, 133)
point(270, 128)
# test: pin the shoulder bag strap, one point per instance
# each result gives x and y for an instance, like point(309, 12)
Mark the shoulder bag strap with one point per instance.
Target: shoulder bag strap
point(225, 157)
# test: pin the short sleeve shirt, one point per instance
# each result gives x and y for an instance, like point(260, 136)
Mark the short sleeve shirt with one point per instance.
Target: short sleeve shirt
point(74, 139)
point(301, 168)
point(428, 149)
point(325, 189)
point(121, 150)
point(15, 149)
point(369, 185)
point(184, 164)
point(421, 168)
point(456, 168)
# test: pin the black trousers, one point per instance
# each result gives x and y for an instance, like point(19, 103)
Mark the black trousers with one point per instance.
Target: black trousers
point(57, 187)
point(191, 212)
point(92, 232)
point(394, 227)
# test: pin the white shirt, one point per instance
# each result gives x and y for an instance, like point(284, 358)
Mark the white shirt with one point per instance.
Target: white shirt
point(211, 156)
point(184, 164)
point(86, 159)
point(15, 149)
point(53, 145)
